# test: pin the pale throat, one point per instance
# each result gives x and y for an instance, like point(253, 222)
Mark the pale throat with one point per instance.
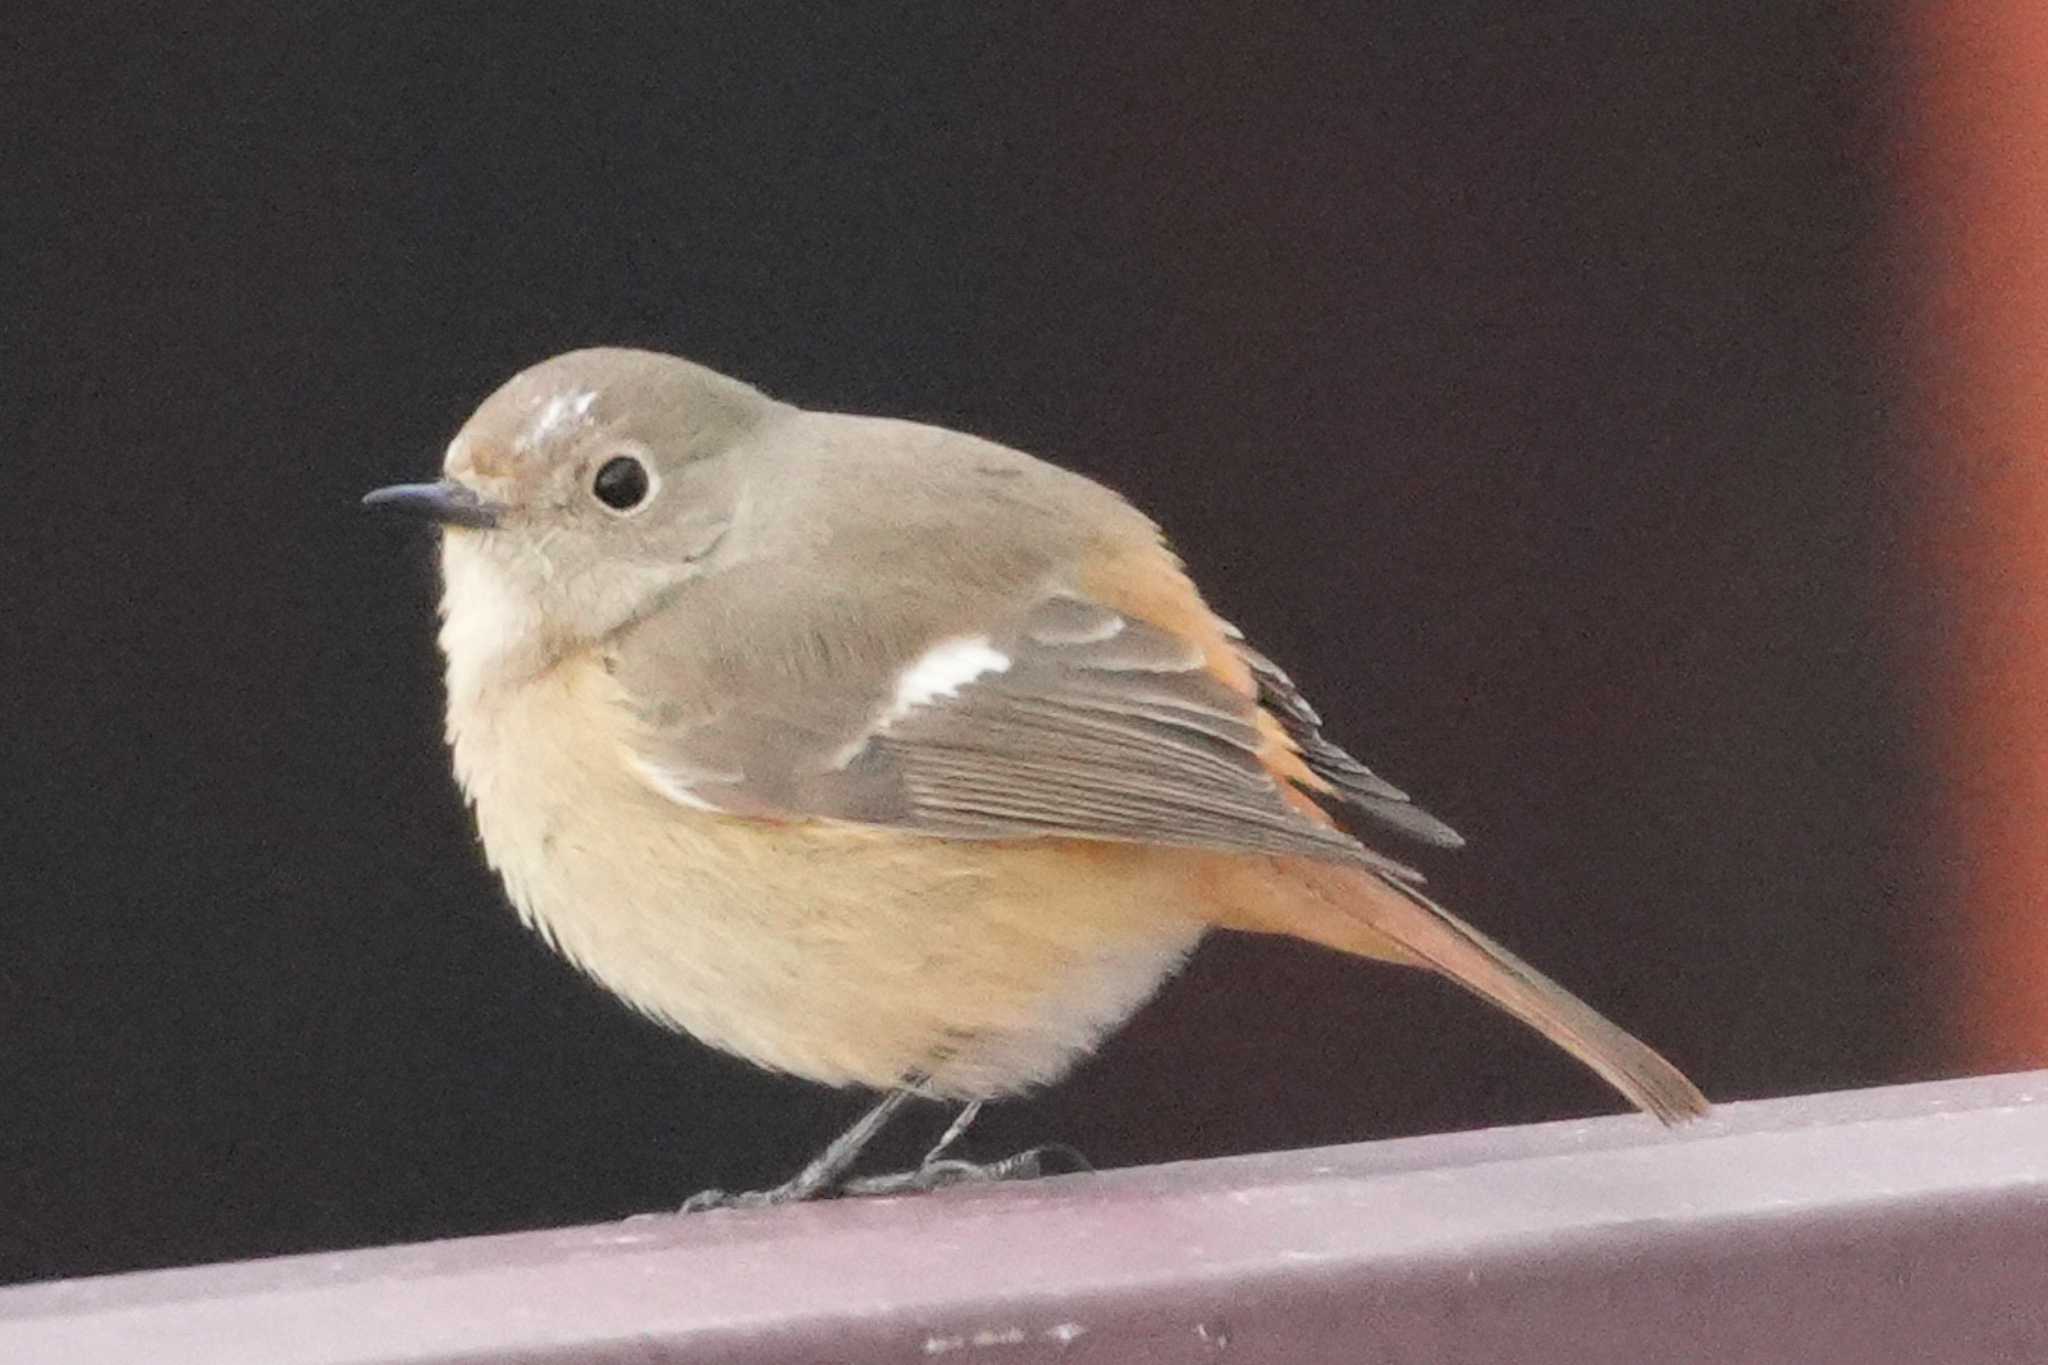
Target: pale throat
point(491, 633)
point(498, 630)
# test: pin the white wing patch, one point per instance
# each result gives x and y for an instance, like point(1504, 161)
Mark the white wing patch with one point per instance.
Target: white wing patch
point(940, 671)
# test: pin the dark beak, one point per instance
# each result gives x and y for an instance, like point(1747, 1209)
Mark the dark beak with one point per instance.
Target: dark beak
point(446, 502)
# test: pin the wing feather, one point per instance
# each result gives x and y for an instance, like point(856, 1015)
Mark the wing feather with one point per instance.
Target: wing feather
point(1071, 719)
point(1349, 780)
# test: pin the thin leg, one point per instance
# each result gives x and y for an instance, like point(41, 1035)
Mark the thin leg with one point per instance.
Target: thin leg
point(826, 1170)
point(956, 1130)
point(938, 1170)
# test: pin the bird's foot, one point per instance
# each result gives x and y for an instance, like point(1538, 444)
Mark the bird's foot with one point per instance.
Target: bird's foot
point(827, 1170)
point(788, 1192)
point(936, 1174)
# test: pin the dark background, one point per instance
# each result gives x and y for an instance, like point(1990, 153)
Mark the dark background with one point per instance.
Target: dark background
point(1520, 376)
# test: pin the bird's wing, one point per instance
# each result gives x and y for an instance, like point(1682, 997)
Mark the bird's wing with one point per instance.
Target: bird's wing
point(1062, 715)
point(1332, 772)
point(1115, 708)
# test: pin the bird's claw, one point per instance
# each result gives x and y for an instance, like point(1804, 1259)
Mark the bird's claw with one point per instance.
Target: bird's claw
point(703, 1201)
point(943, 1173)
point(932, 1175)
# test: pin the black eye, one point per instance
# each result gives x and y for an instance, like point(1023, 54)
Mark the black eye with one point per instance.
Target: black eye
point(621, 483)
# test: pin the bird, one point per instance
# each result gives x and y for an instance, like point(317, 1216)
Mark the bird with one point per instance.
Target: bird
point(887, 756)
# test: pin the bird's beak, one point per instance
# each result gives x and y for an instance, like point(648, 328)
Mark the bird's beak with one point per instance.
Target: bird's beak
point(445, 501)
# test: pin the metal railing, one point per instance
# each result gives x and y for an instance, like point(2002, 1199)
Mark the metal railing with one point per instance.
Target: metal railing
point(1901, 1224)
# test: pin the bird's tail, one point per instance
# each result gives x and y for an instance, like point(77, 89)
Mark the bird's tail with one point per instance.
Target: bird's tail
point(1357, 911)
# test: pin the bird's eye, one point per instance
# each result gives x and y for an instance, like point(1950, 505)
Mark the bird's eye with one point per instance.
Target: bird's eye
point(621, 483)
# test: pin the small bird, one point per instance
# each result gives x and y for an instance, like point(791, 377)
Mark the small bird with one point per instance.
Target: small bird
point(887, 756)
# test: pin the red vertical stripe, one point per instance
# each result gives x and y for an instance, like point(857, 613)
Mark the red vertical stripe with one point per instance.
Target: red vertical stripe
point(1978, 202)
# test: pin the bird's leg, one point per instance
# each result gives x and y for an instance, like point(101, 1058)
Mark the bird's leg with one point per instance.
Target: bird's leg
point(955, 1130)
point(938, 1170)
point(825, 1174)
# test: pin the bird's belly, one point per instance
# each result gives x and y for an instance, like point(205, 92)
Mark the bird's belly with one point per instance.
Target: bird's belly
point(839, 954)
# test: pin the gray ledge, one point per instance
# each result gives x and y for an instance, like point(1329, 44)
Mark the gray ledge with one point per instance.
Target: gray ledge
point(1902, 1224)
